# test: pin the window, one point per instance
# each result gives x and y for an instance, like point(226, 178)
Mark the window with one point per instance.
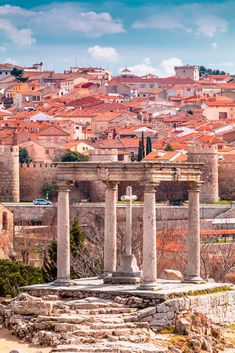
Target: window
point(47, 151)
point(4, 221)
point(223, 115)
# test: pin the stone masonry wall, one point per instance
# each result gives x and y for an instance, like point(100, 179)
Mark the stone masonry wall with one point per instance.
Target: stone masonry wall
point(219, 307)
point(209, 157)
point(32, 178)
point(227, 180)
point(9, 174)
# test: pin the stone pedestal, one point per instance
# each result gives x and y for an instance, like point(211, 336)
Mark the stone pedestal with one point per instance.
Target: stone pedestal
point(110, 228)
point(149, 238)
point(193, 271)
point(63, 237)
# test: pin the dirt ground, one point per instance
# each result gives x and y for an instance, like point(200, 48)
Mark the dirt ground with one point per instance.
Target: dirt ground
point(8, 342)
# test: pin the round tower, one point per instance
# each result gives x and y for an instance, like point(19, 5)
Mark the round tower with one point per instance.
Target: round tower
point(208, 155)
point(9, 174)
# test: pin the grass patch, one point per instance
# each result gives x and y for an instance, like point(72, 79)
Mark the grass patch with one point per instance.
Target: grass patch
point(201, 292)
point(168, 330)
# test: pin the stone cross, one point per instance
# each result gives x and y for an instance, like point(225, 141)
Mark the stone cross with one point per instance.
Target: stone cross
point(129, 198)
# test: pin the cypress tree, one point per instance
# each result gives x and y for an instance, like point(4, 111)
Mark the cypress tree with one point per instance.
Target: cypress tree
point(140, 155)
point(148, 145)
point(143, 144)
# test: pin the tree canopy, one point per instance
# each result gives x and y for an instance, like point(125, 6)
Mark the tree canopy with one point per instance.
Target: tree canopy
point(204, 71)
point(18, 74)
point(71, 156)
point(24, 156)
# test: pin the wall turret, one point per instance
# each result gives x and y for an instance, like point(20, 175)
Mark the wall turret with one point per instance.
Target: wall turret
point(9, 174)
point(208, 155)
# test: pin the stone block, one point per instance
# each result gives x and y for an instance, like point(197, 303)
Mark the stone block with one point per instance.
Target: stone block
point(162, 308)
point(146, 312)
point(171, 274)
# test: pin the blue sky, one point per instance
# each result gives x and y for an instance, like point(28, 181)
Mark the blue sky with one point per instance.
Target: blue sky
point(147, 36)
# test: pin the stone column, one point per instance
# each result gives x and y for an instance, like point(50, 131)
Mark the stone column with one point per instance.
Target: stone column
point(110, 228)
point(63, 236)
point(193, 271)
point(149, 237)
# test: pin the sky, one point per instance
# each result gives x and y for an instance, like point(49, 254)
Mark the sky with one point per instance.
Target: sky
point(146, 36)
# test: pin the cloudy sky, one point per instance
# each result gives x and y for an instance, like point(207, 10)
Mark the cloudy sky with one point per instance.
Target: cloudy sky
point(147, 36)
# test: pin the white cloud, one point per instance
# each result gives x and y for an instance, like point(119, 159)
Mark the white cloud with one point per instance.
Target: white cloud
point(11, 61)
point(210, 25)
point(103, 53)
point(59, 20)
point(163, 21)
point(3, 48)
point(214, 45)
point(144, 68)
point(168, 65)
point(194, 18)
point(22, 37)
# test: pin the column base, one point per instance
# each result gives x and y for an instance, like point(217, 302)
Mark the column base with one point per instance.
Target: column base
point(193, 279)
point(153, 286)
point(123, 277)
point(62, 282)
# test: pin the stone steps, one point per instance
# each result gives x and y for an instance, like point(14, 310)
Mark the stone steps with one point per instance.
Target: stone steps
point(111, 347)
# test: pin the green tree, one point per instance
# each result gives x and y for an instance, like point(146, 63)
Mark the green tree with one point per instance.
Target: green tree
point(18, 74)
point(203, 71)
point(71, 156)
point(24, 156)
point(50, 190)
point(140, 155)
point(143, 144)
point(14, 275)
point(148, 145)
point(169, 147)
point(83, 261)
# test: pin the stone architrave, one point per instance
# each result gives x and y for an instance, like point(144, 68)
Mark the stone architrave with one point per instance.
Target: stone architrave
point(63, 236)
point(128, 271)
point(193, 270)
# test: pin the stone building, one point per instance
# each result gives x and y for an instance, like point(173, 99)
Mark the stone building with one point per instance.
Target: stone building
point(9, 174)
point(6, 232)
point(208, 155)
point(187, 71)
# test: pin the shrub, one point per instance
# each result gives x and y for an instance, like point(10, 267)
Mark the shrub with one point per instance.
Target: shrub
point(14, 275)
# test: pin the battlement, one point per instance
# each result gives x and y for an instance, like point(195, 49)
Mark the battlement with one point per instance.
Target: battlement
point(202, 149)
point(4, 149)
point(38, 166)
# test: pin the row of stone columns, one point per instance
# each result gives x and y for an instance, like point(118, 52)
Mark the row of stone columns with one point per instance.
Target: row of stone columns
point(110, 237)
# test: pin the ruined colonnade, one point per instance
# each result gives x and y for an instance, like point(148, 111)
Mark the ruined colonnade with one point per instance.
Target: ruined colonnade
point(149, 175)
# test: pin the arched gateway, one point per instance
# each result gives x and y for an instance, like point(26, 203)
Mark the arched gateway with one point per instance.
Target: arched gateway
point(149, 175)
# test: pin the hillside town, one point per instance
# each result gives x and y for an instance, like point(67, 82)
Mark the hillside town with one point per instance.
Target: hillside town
point(118, 192)
point(85, 109)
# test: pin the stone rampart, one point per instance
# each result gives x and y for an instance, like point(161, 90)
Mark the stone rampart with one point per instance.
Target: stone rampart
point(9, 174)
point(227, 180)
point(32, 178)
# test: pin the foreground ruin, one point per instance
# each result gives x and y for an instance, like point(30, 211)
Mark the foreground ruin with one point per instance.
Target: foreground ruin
point(125, 323)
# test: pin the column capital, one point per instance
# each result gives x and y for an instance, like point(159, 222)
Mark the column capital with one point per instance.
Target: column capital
point(111, 184)
point(150, 186)
point(63, 185)
point(194, 186)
